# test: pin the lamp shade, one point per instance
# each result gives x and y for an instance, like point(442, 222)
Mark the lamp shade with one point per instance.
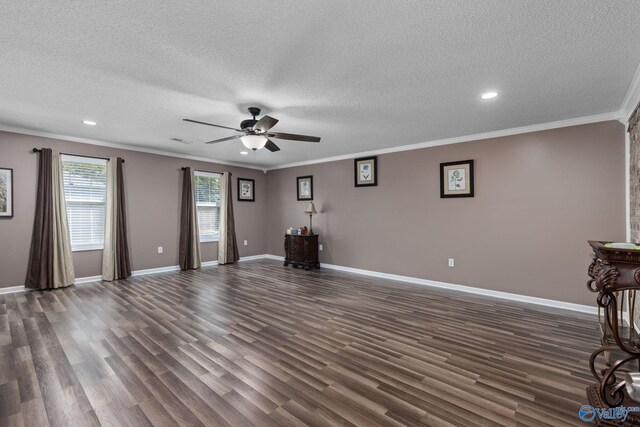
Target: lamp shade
point(254, 142)
point(311, 209)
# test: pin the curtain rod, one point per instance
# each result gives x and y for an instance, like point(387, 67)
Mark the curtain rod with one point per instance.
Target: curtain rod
point(37, 150)
point(196, 170)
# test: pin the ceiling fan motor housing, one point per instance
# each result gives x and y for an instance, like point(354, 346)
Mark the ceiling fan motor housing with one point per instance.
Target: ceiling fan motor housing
point(248, 124)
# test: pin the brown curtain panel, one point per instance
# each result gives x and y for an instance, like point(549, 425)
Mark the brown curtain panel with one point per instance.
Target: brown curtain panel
point(123, 261)
point(116, 263)
point(227, 245)
point(50, 259)
point(40, 268)
point(189, 248)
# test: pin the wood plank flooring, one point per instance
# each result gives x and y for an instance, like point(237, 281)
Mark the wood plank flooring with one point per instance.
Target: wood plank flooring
point(264, 345)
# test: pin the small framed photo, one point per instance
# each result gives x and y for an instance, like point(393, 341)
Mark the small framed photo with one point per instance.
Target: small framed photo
point(305, 187)
point(246, 188)
point(456, 179)
point(365, 171)
point(6, 193)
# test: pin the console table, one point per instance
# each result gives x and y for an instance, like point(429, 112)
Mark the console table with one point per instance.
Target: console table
point(301, 250)
point(615, 276)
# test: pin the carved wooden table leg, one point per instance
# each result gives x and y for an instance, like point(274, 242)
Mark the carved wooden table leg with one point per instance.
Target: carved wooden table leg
point(613, 274)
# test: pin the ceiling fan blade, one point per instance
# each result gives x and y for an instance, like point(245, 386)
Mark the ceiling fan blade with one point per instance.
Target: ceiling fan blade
point(271, 146)
point(265, 123)
point(211, 124)
point(294, 137)
point(224, 139)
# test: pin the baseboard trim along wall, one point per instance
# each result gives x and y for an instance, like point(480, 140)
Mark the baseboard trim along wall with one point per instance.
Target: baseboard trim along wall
point(166, 269)
point(469, 289)
point(407, 279)
point(11, 290)
point(89, 279)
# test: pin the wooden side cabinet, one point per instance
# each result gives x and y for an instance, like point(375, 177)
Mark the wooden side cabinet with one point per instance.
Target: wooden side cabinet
point(301, 251)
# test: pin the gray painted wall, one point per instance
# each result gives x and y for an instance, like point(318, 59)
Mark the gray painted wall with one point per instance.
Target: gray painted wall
point(153, 191)
point(539, 198)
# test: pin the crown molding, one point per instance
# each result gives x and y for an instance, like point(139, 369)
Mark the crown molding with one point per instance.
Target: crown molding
point(632, 94)
point(459, 139)
point(631, 99)
point(101, 143)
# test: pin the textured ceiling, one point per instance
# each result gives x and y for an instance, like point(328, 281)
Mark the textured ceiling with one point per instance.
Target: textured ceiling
point(362, 75)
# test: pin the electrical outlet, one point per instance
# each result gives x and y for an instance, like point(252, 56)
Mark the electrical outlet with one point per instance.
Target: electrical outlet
point(321, 247)
point(452, 262)
point(160, 249)
point(245, 243)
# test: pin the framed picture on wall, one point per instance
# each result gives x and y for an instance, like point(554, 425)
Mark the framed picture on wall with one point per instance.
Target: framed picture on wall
point(456, 179)
point(246, 188)
point(365, 171)
point(304, 186)
point(6, 193)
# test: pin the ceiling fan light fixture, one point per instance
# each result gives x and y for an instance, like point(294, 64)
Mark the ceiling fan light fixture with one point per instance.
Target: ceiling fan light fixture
point(254, 142)
point(255, 135)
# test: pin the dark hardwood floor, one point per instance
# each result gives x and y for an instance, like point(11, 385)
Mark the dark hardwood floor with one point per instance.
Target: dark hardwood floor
point(261, 344)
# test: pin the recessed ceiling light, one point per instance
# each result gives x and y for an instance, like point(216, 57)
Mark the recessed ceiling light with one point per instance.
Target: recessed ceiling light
point(244, 153)
point(489, 95)
point(89, 122)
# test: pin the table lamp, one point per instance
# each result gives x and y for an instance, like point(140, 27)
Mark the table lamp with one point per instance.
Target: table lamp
point(311, 209)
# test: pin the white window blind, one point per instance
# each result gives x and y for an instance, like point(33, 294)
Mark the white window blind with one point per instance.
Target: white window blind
point(207, 189)
point(85, 191)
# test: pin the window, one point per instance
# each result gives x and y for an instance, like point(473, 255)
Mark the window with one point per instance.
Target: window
point(85, 191)
point(207, 188)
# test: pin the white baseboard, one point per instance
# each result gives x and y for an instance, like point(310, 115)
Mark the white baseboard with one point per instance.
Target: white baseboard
point(415, 280)
point(166, 269)
point(11, 290)
point(88, 279)
point(208, 263)
point(153, 270)
point(469, 289)
point(254, 257)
